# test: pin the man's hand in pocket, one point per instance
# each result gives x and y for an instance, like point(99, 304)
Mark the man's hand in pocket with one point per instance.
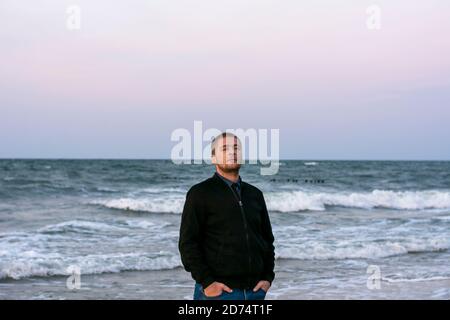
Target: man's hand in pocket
point(215, 289)
point(263, 284)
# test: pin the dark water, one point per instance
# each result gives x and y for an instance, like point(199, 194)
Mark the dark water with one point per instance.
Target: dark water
point(112, 216)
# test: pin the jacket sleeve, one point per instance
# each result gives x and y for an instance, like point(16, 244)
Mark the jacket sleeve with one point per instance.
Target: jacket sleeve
point(190, 241)
point(269, 259)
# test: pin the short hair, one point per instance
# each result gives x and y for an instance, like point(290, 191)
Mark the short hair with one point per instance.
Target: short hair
point(217, 138)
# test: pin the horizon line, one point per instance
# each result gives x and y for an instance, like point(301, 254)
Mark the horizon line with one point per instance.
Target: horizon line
point(168, 159)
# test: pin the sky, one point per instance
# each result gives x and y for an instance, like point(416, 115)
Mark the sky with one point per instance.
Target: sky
point(135, 71)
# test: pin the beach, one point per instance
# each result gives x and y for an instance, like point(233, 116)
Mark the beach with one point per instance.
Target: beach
point(343, 229)
point(177, 284)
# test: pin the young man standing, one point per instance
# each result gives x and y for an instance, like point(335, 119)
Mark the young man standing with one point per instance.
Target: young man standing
point(226, 238)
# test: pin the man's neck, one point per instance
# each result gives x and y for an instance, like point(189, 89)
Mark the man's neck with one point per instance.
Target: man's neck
point(232, 176)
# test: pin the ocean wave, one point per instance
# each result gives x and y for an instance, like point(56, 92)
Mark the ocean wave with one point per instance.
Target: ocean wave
point(105, 189)
point(96, 227)
point(168, 204)
point(293, 201)
point(35, 264)
point(397, 280)
point(118, 245)
point(93, 246)
point(80, 226)
point(31, 263)
point(163, 190)
point(313, 250)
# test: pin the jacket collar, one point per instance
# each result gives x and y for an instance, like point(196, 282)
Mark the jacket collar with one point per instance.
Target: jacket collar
point(219, 179)
point(229, 182)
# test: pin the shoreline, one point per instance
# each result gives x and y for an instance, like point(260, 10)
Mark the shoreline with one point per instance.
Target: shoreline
point(178, 285)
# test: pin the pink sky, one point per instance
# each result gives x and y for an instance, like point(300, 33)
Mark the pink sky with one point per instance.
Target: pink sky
point(135, 71)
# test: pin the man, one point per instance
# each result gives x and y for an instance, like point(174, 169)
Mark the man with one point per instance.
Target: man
point(226, 239)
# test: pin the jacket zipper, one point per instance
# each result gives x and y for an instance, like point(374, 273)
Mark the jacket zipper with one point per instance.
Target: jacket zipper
point(246, 236)
point(241, 207)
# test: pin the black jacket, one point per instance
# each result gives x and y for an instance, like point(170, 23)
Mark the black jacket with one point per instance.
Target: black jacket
point(224, 239)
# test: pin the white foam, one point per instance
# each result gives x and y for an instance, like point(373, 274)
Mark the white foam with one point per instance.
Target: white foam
point(145, 224)
point(94, 246)
point(37, 264)
point(81, 226)
point(163, 190)
point(437, 278)
point(293, 201)
point(168, 204)
point(106, 189)
point(315, 250)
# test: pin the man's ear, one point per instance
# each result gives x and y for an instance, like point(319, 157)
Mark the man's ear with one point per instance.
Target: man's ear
point(213, 159)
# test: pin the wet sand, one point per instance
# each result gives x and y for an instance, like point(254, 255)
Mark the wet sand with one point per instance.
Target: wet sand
point(177, 284)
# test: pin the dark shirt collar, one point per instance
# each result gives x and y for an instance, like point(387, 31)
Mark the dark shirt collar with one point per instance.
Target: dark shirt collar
point(228, 181)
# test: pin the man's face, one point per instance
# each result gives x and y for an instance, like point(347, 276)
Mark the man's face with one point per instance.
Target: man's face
point(228, 156)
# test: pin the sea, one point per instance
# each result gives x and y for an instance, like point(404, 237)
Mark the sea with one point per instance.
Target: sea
point(343, 229)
